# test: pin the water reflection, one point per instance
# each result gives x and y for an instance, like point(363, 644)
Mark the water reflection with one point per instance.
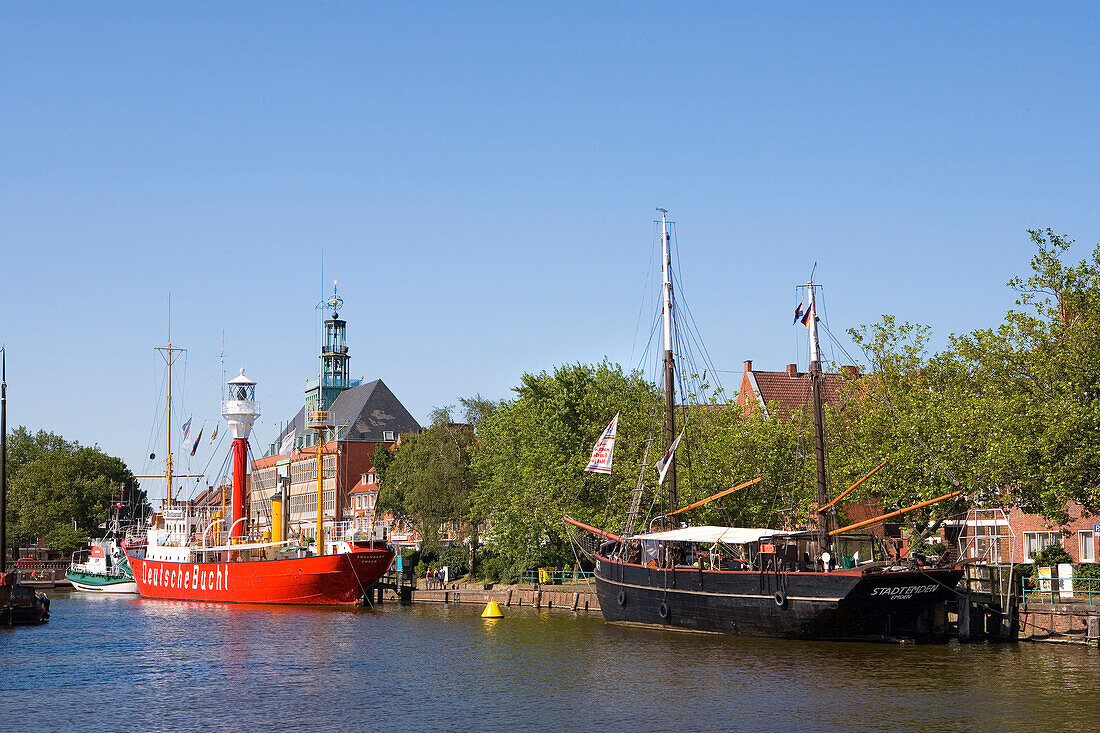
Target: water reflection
point(170, 665)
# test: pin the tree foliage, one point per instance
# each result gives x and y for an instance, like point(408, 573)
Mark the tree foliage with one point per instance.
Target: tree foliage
point(428, 479)
point(532, 451)
point(53, 482)
point(1010, 413)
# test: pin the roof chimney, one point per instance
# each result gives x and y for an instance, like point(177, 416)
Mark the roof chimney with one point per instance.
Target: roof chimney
point(851, 372)
point(792, 370)
point(748, 366)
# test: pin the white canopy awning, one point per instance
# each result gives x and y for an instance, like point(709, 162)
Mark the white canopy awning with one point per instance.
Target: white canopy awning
point(727, 535)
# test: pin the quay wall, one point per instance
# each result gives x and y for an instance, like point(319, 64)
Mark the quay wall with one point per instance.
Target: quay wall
point(564, 598)
point(1064, 622)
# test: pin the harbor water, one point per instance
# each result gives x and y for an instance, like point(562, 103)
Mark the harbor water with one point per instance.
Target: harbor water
point(126, 664)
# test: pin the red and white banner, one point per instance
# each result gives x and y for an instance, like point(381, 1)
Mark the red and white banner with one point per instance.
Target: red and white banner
point(600, 462)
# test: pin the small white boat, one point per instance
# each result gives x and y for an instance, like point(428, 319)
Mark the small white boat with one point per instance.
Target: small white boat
point(102, 568)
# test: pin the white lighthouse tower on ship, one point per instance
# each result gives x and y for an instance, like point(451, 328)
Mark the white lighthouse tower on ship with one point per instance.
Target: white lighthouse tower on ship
point(240, 409)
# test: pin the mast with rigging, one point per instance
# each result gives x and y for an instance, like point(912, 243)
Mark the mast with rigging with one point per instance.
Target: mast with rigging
point(669, 362)
point(817, 383)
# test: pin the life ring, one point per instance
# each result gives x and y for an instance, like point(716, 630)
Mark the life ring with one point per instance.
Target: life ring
point(780, 598)
point(662, 610)
point(622, 598)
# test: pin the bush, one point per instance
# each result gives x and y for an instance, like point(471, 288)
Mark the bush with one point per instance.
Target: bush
point(1052, 555)
point(457, 557)
point(1088, 570)
point(494, 568)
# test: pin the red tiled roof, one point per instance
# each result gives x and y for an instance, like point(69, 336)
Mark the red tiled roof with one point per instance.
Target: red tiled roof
point(361, 487)
point(785, 391)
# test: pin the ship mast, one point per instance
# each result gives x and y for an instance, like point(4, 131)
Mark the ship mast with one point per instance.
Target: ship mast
point(169, 354)
point(817, 381)
point(3, 459)
point(670, 366)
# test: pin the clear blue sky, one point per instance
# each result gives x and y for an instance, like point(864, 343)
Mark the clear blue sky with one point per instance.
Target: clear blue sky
point(482, 180)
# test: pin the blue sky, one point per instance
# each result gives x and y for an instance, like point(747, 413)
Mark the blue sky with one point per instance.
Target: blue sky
point(482, 179)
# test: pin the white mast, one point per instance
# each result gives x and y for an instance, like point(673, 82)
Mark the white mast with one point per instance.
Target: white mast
point(670, 363)
point(666, 282)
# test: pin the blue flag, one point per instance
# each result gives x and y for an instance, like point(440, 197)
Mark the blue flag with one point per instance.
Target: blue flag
point(797, 314)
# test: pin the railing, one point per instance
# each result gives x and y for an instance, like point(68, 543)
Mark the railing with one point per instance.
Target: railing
point(349, 530)
point(552, 576)
point(1051, 590)
point(991, 580)
point(42, 571)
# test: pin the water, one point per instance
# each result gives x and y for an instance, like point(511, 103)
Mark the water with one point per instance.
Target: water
point(124, 664)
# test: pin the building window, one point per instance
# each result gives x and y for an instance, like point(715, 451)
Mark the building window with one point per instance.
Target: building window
point(1086, 541)
point(387, 435)
point(1036, 541)
point(372, 477)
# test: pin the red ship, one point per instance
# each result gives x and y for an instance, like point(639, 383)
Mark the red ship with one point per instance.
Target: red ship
point(174, 560)
point(340, 579)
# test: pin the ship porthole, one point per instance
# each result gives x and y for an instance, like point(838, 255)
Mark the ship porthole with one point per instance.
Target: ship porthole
point(780, 598)
point(662, 610)
point(622, 598)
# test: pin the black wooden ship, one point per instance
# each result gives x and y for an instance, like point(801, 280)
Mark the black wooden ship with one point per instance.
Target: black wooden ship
point(821, 583)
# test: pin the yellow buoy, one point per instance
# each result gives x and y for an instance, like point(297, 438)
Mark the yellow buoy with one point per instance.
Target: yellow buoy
point(492, 610)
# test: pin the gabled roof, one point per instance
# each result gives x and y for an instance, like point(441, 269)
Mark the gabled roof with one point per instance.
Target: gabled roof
point(779, 393)
point(368, 411)
point(361, 488)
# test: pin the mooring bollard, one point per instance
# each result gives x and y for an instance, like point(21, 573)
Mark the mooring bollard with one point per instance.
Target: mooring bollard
point(1092, 635)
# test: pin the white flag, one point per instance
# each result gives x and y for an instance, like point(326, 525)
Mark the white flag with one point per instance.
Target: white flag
point(664, 463)
point(287, 446)
point(600, 462)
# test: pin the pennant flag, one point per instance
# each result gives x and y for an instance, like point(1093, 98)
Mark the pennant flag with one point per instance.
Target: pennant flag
point(195, 445)
point(797, 314)
point(664, 463)
point(186, 430)
point(600, 462)
point(214, 434)
point(808, 317)
point(287, 446)
point(103, 526)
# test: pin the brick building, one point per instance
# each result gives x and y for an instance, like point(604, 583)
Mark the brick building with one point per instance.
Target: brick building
point(1012, 535)
point(776, 394)
point(362, 416)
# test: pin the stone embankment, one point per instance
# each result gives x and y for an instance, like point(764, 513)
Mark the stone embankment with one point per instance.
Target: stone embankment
point(581, 598)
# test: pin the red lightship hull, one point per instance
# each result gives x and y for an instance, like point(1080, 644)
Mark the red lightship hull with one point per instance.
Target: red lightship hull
point(329, 580)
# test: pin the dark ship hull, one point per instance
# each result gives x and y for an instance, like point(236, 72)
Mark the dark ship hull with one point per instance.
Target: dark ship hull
point(859, 604)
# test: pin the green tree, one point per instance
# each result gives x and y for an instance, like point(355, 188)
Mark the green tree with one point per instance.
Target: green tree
point(919, 411)
point(1009, 414)
point(429, 480)
point(1041, 369)
point(532, 450)
point(53, 483)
